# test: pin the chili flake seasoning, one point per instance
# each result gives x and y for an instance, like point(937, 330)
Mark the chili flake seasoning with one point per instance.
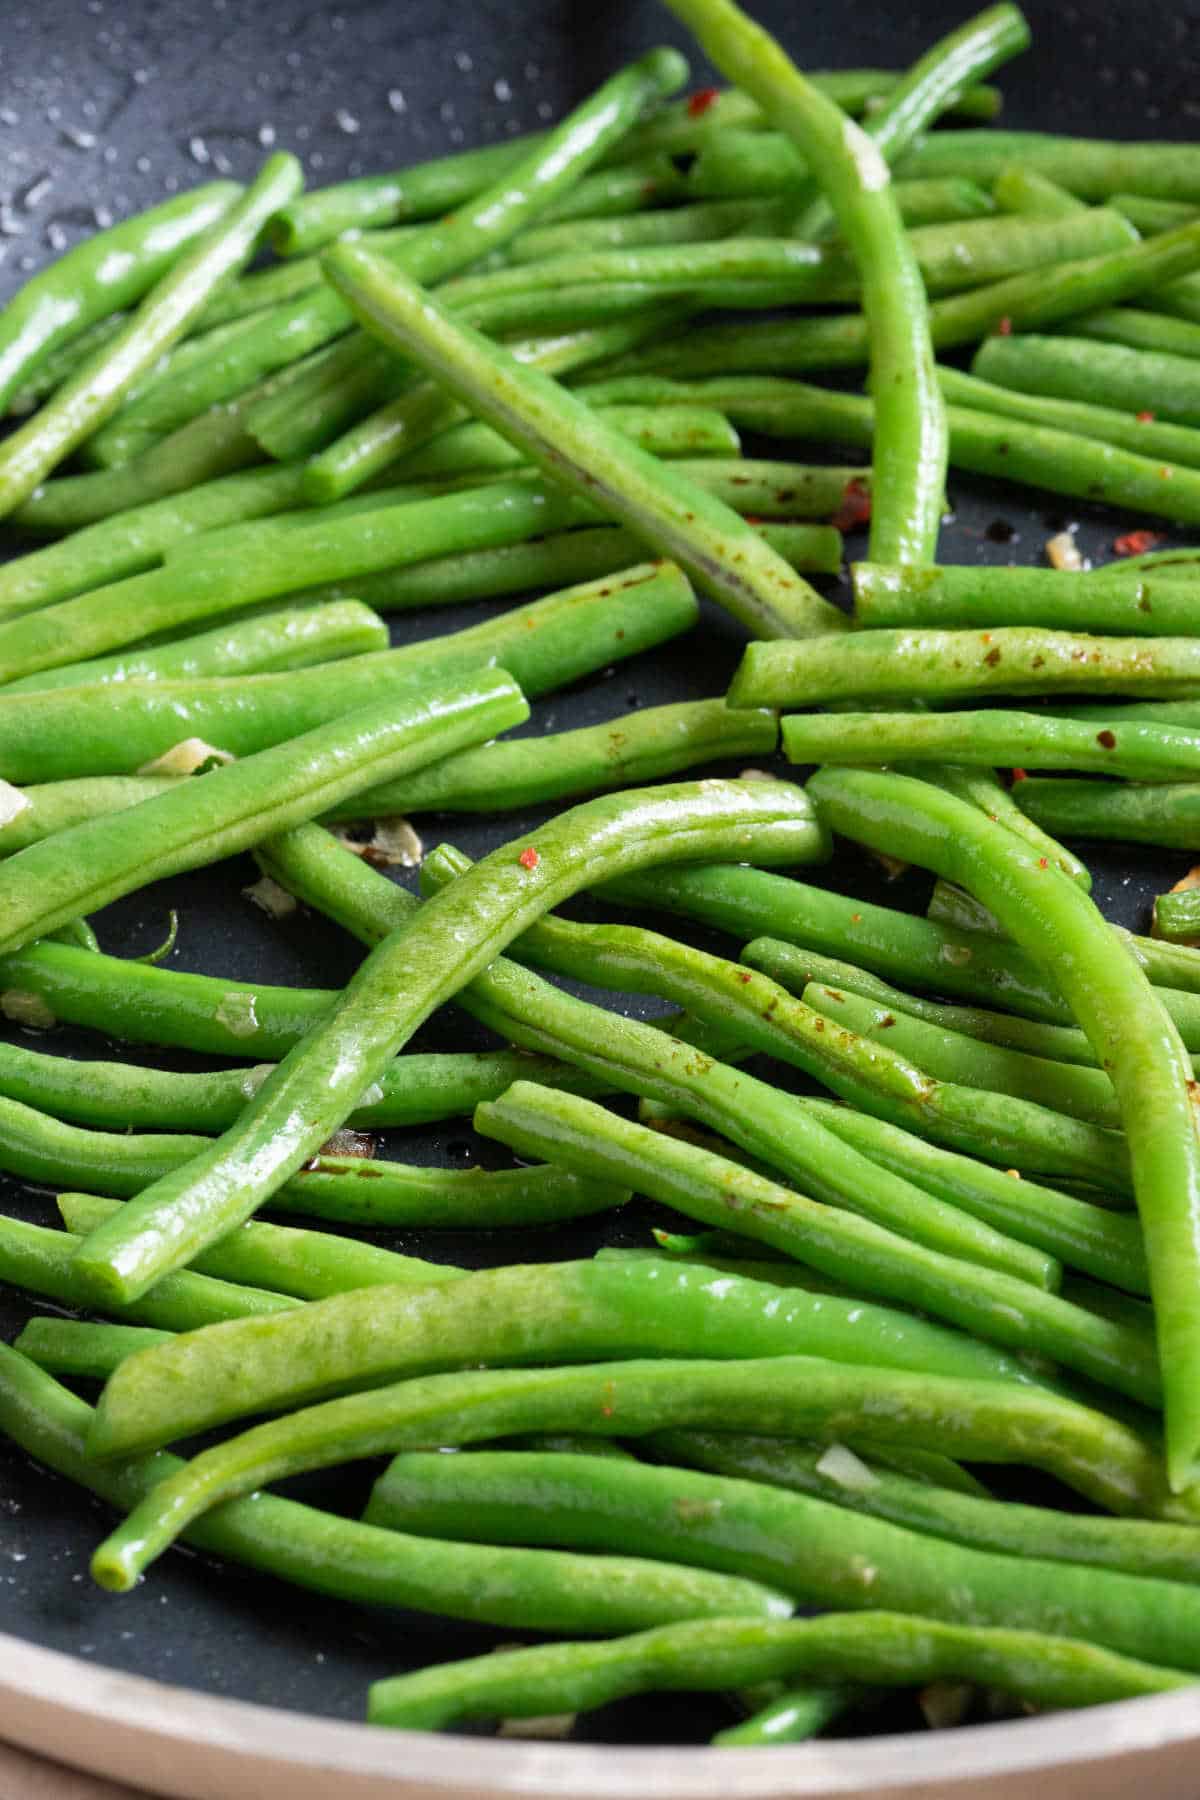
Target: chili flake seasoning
point(529, 858)
point(701, 101)
point(855, 509)
point(1136, 543)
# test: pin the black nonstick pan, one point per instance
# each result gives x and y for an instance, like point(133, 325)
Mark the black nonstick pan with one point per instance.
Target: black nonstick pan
point(105, 107)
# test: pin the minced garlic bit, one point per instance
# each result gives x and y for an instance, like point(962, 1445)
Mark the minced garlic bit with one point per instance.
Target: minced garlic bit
point(12, 803)
point(27, 1009)
point(274, 900)
point(236, 1012)
point(840, 1464)
point(187, 757)
point(393, 844)
point(1062, 552)
point(347, 1142)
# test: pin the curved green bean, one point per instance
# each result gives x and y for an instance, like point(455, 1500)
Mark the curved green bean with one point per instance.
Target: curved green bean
point(1126, 812)
point(1131, 1034)
point(782, 1395)
point(910, 446)
point(74, 1347)
point(983, 788)
point(795, 1716)
point(357, 1562)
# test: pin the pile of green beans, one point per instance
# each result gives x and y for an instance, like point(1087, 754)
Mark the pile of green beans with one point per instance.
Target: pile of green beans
point(930, 1182)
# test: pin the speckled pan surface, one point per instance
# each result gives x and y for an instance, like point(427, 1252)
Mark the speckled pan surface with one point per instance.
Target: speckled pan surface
point(105, 106)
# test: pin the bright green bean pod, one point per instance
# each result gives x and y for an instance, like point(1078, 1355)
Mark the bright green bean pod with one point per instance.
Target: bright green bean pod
point(235, 806)
point(1130, 1032)
point(991, 738)
point(640, 746)
point(263, 645)
point(1113, 599)
point(42, 1262)
point(822, 1553)
point(910, 445)
point(1124, 812)
point(571, 1311)
point(116, 728)
point(85, 1349)
point(310, 1265)
point(565, 437)
point(357, 1562)
point(426, 961)
point(984, 789)
point(95, 391)
point(1140, 329)
point(136, 539)
point(782, 1395)
point(1068, 368)
point(1092, 168)
point(1136, 1546)
point(945, 665)
point(100, 276)
point(1020, 190)
point(1081, 1093)
point(465, 448)
point(556, 560)
point(794, 1717)
point(877, 1649)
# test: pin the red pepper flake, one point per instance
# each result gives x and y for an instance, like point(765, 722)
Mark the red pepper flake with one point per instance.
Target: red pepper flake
point(1004, 326)
point(1020, 775)
point(855, 509)
point(1145, 418)
point(529, 859)
point(702, 101)
point(1136, 543)
point(1043, 862)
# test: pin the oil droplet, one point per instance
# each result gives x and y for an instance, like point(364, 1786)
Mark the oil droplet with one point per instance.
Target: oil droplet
point(36, 192)
point(463, 62)
point(395, 100)
point(76, 136)
point(346, 121)
point(10, 225)
point(198, 150)
point(142, 165)
point(502, 90)
point(266, 136)
point(9, 116)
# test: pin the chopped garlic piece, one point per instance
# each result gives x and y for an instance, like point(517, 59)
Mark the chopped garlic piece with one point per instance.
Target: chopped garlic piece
point(185, 758)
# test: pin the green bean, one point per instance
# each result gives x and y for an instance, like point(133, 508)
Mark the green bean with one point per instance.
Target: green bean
point(910, 444)
point(781, 1395)
point(1140, 1547)
point(94, 392)
point(42, 1262)
point(949, 68)
point(101, 275)
point(875, 1648)
point(203, 584)
point(983, 788)
point(1089, 167)
point(572, 1311)
point(1068, 368)
point(822, 1553)
point(794, 966)
point(554, 561)
point(91, 1351)
point(1034, 740)
point(136, 539)
point(426, 961)
point(1037, 299)
point(310, 1265)
point(260, 645)
point(356, 1562)
point(1020, 190)
point(1139, 431)
point(1079, 1092)
point(945, 665)
point(113, 728)
point(493, 214)
point(697, 223)
point(1113, 600)
point(1139, 329)
point(190, 824)
point(1129, 813)
point(640, 746)
point(1131, 1034)
point(793, 1717)
point(753, 903)
point(563, 435)
point(1175, 917)
point(695, 431)
point(346, 1189)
